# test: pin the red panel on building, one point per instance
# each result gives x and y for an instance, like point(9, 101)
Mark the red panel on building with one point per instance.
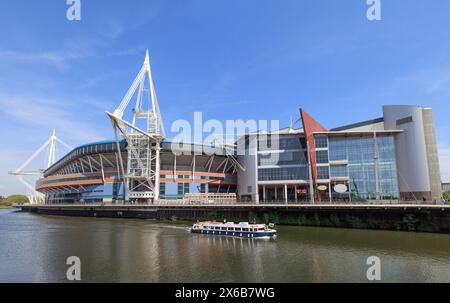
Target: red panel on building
point(309, 127)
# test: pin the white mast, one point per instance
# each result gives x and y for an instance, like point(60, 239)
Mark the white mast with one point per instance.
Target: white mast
point(34, 196)
point(143, 135)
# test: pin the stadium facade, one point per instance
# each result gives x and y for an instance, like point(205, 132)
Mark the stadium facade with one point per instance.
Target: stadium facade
point(390, 158)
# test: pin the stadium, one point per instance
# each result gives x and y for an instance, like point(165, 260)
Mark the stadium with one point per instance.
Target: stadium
point(391, 158)
point(91, 173)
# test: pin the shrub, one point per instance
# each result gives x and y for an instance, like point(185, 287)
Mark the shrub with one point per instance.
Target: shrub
point(409, 222)
point(301, 220)
point(213, 215)
point(334, 220)
point(252, 218)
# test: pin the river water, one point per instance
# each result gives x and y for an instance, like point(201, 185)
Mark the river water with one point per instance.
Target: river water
point(34, 248)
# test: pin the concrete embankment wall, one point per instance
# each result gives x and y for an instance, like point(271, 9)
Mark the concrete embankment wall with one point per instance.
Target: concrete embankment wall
point(423, 218)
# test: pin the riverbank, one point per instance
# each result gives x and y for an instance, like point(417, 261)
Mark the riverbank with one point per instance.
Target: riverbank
point(412, 218)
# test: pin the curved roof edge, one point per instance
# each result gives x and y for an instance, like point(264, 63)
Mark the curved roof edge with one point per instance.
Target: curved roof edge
point(86, 149)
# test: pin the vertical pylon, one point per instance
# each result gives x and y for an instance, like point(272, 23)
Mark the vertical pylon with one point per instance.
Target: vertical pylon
point(34, 196)
point(143, 135)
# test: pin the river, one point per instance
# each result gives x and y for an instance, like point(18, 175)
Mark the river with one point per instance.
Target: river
point(34, 248)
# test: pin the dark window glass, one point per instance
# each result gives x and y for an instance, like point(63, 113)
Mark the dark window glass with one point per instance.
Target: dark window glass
point(338, 171)
point(322, 156)
point(283, 158)
point(323, 172)
point(283, 173)
point(360, 153)
point(321, 141)
point(282, 142)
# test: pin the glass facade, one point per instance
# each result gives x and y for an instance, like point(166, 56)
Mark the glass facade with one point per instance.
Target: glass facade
point(288, 154)
point(283, 173)
point(281, 142)
point(360, 154)
point(89, 194)
point(323, 172)
point(284, 158)
point(359, 157)
point(321, 141)
point(322, 156)
point(338, 171)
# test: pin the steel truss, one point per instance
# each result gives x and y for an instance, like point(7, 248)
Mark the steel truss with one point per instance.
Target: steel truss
point(34, 196)
point(143, 135)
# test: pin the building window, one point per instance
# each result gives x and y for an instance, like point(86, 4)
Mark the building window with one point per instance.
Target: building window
point(283, 173)
point(283, 158)
point(360, 154)
point(404, 121)
point(321, 141)
point(280, 142)
point(322, 156)
point(338, 149)
point(323, 172)
point(338, 171)
point(247, 143)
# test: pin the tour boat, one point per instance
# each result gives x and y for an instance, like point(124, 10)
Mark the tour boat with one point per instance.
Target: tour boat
point(242, 229)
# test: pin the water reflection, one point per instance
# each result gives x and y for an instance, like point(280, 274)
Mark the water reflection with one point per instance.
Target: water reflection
point(34, 249)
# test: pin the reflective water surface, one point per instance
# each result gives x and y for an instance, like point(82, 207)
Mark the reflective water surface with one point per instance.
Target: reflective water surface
point(34, 248)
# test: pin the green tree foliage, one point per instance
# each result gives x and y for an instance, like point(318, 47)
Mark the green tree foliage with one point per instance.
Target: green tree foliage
point(446, 195)
point(18, 199)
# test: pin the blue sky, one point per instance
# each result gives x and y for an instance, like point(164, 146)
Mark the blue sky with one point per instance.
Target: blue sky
point(252, 59)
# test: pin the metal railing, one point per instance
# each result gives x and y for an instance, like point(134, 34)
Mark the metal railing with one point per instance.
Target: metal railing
point(187, 202)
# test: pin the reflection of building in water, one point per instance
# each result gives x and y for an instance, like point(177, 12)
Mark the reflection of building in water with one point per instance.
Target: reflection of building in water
point(247, 258)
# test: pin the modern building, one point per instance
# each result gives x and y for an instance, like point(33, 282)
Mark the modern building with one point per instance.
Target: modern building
point(390, 158)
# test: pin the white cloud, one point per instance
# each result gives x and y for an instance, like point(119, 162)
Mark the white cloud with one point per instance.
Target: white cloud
point(28, 122)
point(422, 83)
point(59, 59)
point(49, 113)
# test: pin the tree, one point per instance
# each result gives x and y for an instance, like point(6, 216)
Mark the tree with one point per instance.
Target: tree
point(19, 199)
point(446, 195)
